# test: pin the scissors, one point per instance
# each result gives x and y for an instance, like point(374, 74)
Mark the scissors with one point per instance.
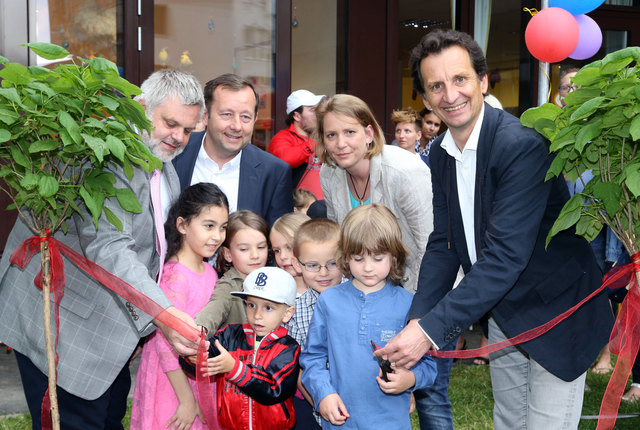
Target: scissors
point(385, 365)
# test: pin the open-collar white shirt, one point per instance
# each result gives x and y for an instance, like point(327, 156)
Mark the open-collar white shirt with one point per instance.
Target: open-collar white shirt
point(226, 177)
point(466, 180)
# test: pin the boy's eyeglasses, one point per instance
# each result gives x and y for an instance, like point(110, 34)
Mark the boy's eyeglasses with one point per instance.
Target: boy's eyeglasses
point(315, 267)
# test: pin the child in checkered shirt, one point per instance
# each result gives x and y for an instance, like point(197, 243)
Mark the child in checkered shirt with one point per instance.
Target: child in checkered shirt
point(314, 249)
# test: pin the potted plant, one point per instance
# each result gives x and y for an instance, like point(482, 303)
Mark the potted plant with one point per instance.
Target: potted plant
point(599, 130)
point(59, 129)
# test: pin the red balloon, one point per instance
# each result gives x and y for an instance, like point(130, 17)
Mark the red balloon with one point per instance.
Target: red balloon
point(552, 35)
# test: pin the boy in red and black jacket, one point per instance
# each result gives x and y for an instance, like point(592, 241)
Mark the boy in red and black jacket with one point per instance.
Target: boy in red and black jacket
point(257, 363)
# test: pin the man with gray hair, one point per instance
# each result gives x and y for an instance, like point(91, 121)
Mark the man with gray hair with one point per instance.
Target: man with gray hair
point(98, 329)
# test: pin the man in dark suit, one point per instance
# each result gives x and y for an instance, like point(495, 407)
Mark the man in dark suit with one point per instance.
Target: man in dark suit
point(251, 178)
point(492, 212)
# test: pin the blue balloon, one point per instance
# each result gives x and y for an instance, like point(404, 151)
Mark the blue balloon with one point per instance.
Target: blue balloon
point(576, 7)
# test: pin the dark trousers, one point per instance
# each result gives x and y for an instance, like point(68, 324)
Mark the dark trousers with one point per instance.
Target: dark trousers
point(104, 413)
point(304, 415)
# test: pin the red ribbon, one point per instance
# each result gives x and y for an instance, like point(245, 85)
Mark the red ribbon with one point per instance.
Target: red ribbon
point(624, 340)
point(21, 257)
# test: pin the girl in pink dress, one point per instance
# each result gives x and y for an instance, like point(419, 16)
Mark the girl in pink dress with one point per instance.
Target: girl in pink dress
point(196, 226)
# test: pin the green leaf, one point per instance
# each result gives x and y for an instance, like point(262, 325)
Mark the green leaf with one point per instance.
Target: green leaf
point(43, 145)
point(613, 64)
point(3, 60)
point(39, 86)
point(633, 182)
point(613, 117)
point(608, 193)
point(116, 147)
point(48, 51)
point(569, 216)
point(11, 94)
point(30, 181)
point(108, 102)
point(128, 200)
point(47, 186)
point(545, 127)
point(127, 168)
point(5, 135)
point(635, 128)
point(8, 117)
point(123, 86)
point(587, 76)
point(587, 108)
point(564, 137)
point(548, 111)
point(19, 157)
point(97, 145)
point(103, 65)
point(556, 168)
point(15, 73)
point(71, 126)
point(112, 218)
point(581, 95)
point(90, 205)
point(587, 133)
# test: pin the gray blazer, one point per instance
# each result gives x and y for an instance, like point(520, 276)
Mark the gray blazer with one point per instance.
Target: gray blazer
point(98, 329)
point(400, 181)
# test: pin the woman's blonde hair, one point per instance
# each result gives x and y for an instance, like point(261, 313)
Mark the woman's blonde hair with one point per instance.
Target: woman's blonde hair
point(372, 229)
point(351, 107)
point(288, 224)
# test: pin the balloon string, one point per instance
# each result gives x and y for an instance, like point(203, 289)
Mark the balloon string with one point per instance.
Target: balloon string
point(548, 79)
point(532, 11)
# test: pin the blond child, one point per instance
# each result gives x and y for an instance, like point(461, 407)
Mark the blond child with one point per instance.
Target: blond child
point(256, 364)
point(302, 199)
point(344, 378)
point(281, 238)
point(245, 249)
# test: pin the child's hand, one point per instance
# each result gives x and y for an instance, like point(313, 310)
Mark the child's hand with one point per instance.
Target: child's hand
point(333, 410)
point(412, 404)
point(223, 363)
point(400, 380)
point(185, 415)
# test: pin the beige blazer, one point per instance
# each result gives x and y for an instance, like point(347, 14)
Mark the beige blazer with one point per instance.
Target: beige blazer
point(400, 181)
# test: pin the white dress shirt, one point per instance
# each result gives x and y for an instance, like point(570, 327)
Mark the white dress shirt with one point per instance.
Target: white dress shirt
point(227, 177)
point(466, 180)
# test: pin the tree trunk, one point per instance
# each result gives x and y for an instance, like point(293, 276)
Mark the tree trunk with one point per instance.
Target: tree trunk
point(45, 260)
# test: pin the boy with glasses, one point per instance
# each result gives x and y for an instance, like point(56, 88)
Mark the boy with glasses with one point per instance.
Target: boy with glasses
point(315, 245)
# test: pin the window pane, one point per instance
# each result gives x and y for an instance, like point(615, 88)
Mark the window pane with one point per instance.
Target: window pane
point(86, 28)
point(313, 46)
point(209, 38)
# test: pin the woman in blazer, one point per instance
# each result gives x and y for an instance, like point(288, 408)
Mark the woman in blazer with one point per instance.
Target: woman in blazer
point(358, 168)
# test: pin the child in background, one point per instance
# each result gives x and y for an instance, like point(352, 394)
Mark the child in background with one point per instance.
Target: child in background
point(257, 363)
point(302, 199)
point(281, 238)
point(195, 228)
point(371, 307)
point(245, 249)
point(315, 245)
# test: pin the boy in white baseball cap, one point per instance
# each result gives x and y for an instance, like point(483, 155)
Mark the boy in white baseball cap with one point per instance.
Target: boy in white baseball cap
point(256, 364)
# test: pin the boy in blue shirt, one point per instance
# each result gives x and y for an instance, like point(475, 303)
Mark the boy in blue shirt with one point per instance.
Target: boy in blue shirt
point(351, 392)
